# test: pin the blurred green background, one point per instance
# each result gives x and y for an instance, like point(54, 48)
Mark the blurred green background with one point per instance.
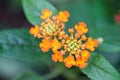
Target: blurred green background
point(12, 17)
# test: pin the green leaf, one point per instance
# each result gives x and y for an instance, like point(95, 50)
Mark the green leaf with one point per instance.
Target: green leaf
point(110, 34)
point(19, 44)
point(84, 11)
point(99, 11)
point(33, 8)
point(30, 76)
point(100, 69)
point(80, 11)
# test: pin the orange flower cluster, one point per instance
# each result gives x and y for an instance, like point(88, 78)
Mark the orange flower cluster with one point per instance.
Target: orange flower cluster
point(72, 49)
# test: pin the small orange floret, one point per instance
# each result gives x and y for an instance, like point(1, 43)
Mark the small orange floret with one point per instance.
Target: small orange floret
point(81, 28)
point(35, 31)
point(90, 44)
point(57, 56)
point(83, 65)
point(45, 45)
point(46, 14)
point(81, 62)
point(69, 61)
point(85, 54)
point(63, 16)
point(56, 45)
point(67, 13)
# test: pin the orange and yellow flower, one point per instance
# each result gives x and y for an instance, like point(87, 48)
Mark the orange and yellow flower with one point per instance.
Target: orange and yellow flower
point(81, 28)
point(72, 49)
point(35, 31)
point(63, 16)
point(91, 44)
point(56, 45)
point(81, 62)
point(69, 61)
point(57, 56)
point(78, 46)
point(46, 14)
point(45, 45)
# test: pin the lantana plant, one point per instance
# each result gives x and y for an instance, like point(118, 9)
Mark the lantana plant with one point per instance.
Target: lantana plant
point(65, 41)
point(73, 49)
point(73, 45)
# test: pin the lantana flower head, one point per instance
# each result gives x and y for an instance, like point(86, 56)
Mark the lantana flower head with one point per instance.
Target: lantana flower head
point(72, 49)
point(51, 25)
point(49, 29)
point(78, 46)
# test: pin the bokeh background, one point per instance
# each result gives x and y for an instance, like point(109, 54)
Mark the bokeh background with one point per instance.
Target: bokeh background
point(12, 17)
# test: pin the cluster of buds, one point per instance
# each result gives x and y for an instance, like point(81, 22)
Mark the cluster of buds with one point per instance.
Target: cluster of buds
point(72, 49)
